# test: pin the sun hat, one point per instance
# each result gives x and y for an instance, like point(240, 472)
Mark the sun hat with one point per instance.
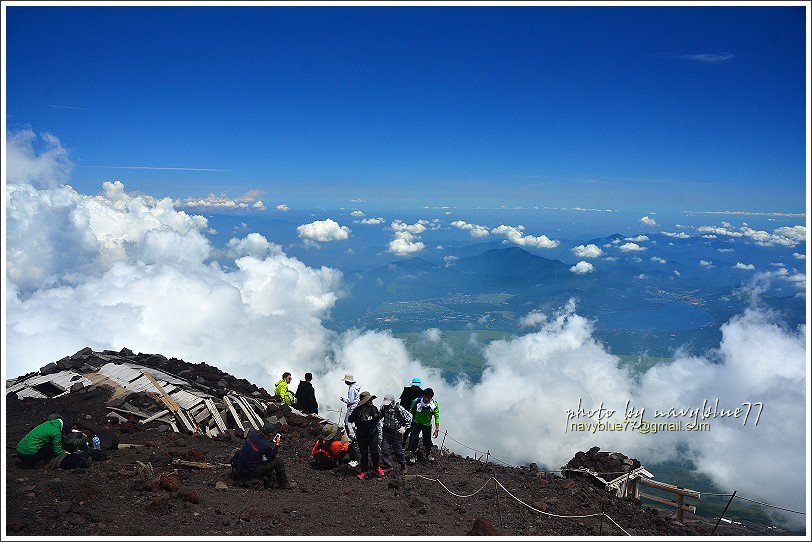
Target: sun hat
point(388, 399)
point(349, 378)
point(416, 382)
point(365, 397)
point(329, 431)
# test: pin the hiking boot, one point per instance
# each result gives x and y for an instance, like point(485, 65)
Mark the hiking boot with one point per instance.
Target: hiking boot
point(412, 460)
point(430, 458)
point(379, 471)
point(288, 485)
point(403, 468)
point(362, 476)
point(353, 463)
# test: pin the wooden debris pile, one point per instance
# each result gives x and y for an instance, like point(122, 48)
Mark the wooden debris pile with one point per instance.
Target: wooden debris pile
point(203, 400)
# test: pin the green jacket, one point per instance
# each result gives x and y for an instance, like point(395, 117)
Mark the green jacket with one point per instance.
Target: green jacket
point(47, 432)
point(283, 392)
point(424, 416)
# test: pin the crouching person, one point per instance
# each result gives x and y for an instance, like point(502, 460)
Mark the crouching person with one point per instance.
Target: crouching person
point(258, 458)
point(42, 443)
point(332, 448)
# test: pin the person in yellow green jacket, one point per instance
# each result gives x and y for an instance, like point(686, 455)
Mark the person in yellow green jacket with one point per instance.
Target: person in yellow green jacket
point(282, 389)
point(42, 443)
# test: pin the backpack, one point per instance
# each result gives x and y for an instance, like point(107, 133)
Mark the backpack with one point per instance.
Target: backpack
point(322, 457)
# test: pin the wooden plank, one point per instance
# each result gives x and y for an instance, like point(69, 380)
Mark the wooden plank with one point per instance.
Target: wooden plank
point(253, 418)
point(233, 412)
point(199, 464)
point(170, 403)
point(203, 415)
point(155, 416)
point(667, 502)
point(215, 414)
point(249, 412)
point(130, 445)
point(125, 411)
point(187, 420)
point(669, 487)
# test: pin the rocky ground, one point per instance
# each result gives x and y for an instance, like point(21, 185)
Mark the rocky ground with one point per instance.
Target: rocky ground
point(112, 498)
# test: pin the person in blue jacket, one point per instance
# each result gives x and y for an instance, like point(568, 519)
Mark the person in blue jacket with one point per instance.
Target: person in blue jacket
point(258, 458)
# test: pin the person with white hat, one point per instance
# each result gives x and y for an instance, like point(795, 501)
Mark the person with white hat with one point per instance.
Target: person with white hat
point(351, 400)
point(395, 420)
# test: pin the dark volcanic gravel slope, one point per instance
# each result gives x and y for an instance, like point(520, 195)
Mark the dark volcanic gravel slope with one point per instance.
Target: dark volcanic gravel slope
point(109, 499)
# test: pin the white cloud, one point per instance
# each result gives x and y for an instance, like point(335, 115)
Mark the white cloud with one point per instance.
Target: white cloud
point(657, 259)
point(416, 228)
point(374, 221)
point(631, 247)
point(516, 236)
point(533, 318)
point(475, 230)
point(648, 221)
point(709, 236)
point(439, 247)
point(282, 207)
point(405, 241)
point(450, 260)
point(789, 236)
point(638, 239)
point(799, 256)
point(725, 250)
point(706, 264)
point(323, 231)
point(587, 251)
point(746, 267)
point(677, 273)
point(582, 268)
point(680, 235)
point(40, 161)
point(252, 244)
point(433, 335)
point(641, 276)
point(246, 201)
point(610, 259)
point(357, 213)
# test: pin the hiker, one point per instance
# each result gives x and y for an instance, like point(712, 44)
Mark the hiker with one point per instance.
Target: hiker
point(365, 416)
point(423, 410)
point(410, 393)
point(282, 389)
point(351, 400)
point(395, 420)
point(306, 396)
point(258, 458)
point(332, 447)
point(42, 443)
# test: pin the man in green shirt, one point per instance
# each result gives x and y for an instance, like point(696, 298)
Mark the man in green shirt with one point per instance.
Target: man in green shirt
point(281, 389)
point(423, 410)
point(42, 443)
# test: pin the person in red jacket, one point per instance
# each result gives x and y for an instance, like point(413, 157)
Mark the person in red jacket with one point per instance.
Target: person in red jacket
point(332, 447)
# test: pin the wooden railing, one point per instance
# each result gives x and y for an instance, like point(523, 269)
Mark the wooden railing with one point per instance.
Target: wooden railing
point(680, 492)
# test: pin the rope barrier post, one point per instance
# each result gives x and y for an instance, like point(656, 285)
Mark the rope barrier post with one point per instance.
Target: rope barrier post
point(600, 525)
point(487, 455)
point(718, 521)
point(442, 445)
point(498, 507)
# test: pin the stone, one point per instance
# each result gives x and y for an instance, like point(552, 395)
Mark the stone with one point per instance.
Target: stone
point(166, 482)
point(220, 485)
point(51, 368)
point(483, 527)
point(76, 387)
point(83, 352)
point(126, 352)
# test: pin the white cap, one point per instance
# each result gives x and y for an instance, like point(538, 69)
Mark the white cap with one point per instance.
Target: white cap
point(388, 399)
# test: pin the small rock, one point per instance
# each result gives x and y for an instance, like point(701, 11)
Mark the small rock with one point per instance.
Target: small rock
point(220, 485)
point(483, 527)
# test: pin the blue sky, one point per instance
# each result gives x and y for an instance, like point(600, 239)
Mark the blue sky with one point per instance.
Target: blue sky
point(652, 108)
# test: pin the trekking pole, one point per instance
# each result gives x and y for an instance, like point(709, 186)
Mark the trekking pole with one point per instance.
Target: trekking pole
point(718, 521)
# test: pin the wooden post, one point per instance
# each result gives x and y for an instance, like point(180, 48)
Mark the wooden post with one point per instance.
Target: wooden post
point(680, 502)
point(600, 525)
point(718, 521)
point(498, 507)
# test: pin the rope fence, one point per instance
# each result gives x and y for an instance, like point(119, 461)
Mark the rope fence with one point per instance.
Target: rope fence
point(489, 457)
point(499, 484)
